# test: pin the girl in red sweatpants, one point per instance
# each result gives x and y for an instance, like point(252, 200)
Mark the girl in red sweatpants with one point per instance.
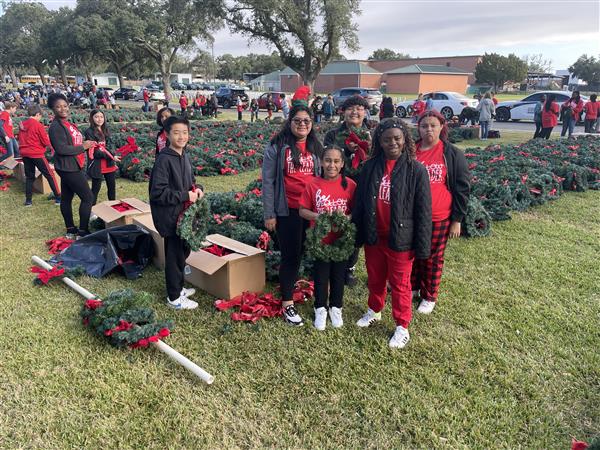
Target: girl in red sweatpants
point(392, 214)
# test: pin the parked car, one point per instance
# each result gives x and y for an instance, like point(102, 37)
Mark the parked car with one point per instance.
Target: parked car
point(262, 100)
point(227, 97)
point(449, 104)
point(373, 96)
point(155, 95)
point(523, 109)
point(178, 86)
point(125, 93)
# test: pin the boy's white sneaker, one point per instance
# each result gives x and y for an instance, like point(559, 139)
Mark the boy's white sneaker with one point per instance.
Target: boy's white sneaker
point(369, 318)
point(335, 315)
point(187, 292)
point(400, 338)
point(320, 318)
point(182, 303)
point(426, 307)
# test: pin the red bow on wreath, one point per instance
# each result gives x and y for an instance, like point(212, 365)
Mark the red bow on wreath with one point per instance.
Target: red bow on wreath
point(361, 152)
point(128, 148)
point(45, 275)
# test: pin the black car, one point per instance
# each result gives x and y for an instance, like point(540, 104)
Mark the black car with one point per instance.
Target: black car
point(227, 97)
point(125, 93)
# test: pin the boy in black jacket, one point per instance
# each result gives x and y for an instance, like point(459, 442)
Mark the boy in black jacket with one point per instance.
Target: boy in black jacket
point(171, 186)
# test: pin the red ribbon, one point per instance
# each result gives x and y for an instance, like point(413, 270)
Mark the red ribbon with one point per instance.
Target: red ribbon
point(579, 445)
point(58, 245)
point(361, 152)
point(217, 250)
point(122, 207)
point(93, 303)
point(263, 241)
point(128, 148)
point(45, 275)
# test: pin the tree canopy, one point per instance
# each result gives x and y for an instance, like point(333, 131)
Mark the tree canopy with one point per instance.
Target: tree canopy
point(387, 54)
point(587, 68)
point(496, 69)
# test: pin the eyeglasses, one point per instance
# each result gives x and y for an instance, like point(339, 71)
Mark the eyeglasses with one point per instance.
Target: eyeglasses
point(299, 122)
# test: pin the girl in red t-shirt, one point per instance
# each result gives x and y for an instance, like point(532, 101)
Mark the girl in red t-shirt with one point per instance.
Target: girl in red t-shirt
point(326, 194)
point(290, 162)
point(449, 182)
point(550, 112)
point(161, 138)
point(418, 108)
point(591, 113)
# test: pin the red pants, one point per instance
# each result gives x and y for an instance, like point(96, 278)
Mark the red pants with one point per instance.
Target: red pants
point(383, 265)
point(427, 273)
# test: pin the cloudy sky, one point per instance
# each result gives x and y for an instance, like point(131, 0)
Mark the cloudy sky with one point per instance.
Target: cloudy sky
point(561, 30)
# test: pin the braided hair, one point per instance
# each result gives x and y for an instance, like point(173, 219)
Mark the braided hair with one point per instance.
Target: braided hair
point(394, 122)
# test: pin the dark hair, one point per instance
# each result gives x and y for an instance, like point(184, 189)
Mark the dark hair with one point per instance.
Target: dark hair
point(355, 100)
point(174, 120)
point(578, 95)
point(282, 95)
point(285, 137)
point(159, 114)
point(103, 129)
point(32, 110)
point(438, 116)
point(53, 98)
point(394, 122)
point(593, 98)
point(342, 173)
point(549, 101)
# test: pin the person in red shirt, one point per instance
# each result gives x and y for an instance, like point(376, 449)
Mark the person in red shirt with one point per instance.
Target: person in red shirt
point(330, 192)
point(418, 107)
point(572, 110)
point(33, 141)
point(450, 188)
point(7, 134)
point(101, 161)
point(183, 102)
point(550, 112)
point(494, 99)
point(290, 162)
point(146, 95)
point(591, 113)
point(162, 140)
point(392, 213)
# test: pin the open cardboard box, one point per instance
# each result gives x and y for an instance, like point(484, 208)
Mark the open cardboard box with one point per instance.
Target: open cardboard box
point(114, 218)
point(230, 275)
point(145, 221)
point(40, 184)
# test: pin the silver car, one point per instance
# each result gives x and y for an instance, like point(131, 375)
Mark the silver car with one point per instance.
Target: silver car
point(372, 95)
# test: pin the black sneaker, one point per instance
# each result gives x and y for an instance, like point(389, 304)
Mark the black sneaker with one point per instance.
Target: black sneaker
point(349, 278)
point(27, 203)
point(291, 316)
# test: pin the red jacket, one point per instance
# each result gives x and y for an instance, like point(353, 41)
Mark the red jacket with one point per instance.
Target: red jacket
point(33, 139)
point(576, 107)
point(591, 110)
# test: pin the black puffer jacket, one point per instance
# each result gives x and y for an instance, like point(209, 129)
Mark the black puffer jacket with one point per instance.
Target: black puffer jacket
point(410, 200)
point(458, 181)
point(170, 182)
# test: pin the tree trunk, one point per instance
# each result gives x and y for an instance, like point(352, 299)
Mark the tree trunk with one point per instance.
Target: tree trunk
point(119, 71)
point(60, 64)
point(88, 74)
point(38, 69)
point(12, 71)
point(165, 72)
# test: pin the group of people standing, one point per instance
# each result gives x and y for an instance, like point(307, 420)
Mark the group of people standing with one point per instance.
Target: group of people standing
point(547, 113)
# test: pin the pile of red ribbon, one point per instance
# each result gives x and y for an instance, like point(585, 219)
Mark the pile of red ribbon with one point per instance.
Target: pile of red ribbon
point(361, 152)
point(122, 207)
point(58, 245)
point(253, 306)
point(263, 241)
point(45, 275)
point(217, 250)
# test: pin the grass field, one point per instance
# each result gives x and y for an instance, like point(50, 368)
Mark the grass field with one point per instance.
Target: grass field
point(508, 360)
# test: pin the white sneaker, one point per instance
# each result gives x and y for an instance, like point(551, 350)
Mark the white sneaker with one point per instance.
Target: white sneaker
point(425, 307)
point(291, 316)
point(182, 303)
point(335, 314)
point(320, 318)
point(187, 292)
point(369, 318)
point(400, 338)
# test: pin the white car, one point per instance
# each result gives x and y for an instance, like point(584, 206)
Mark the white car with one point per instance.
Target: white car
point(447, 103)
point(154, 95)
point(523, 109)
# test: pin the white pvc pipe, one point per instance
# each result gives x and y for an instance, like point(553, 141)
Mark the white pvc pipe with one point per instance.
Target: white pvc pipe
point(167, 350)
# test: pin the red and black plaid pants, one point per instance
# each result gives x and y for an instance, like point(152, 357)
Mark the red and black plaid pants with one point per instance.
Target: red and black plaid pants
point(427, 273)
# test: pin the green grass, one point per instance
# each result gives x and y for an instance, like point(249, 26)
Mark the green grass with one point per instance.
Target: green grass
point(509, 359)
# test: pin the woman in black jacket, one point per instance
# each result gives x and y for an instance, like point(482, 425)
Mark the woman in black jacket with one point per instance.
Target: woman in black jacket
point(101, 161)
point(392, 214)
point(69, 162)
point(450, 185)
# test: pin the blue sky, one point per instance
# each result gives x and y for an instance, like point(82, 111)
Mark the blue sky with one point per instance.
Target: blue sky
point(561, 30)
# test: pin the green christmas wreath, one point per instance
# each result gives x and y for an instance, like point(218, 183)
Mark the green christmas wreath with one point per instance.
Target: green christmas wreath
point(338, 250)
point(477, 222)
point(193, 224)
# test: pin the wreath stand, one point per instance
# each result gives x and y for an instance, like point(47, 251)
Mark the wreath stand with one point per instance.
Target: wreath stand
point(160, 345)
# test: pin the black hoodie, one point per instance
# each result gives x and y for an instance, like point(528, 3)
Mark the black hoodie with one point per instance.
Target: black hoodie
point(170, 182)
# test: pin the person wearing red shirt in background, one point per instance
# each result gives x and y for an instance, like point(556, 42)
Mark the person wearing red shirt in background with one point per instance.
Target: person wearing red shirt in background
point(494, 99)
point(418, 108)
point(7, 134)
point(183, 102)
point(289, 163)
point(550, 112)
point(101, 161)
point(240, 107)
point(449, 179)
point(591, 113)
point(162, 139)
point(146, 95)
point(392, 213)
point(330, 192)
point(33, 141)
point(572, 111)
point(69, 161)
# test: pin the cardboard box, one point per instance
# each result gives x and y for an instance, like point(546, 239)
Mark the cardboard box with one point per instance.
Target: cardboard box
point(40, 184)
point(230, 275)
point(11, 163)
point(145, 221)
point(115, 218)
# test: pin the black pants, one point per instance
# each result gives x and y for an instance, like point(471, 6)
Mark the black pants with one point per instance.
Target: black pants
point(589, 125)
point(111, 186)
point(538, 130)
point(71, 184)
point(291, 232)
point(42, 164)
point(546, 132)
point(239, 115)
point(176, 252)
point(353, 259)
point(329, 276)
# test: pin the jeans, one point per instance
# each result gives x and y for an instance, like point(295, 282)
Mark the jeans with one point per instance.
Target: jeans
point(538, 130)
point(485, 128)
point(589, 125)
point(12, 149)
point(568, 125)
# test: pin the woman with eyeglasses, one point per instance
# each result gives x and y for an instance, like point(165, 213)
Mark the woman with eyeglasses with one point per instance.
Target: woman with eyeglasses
point(290, 161)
